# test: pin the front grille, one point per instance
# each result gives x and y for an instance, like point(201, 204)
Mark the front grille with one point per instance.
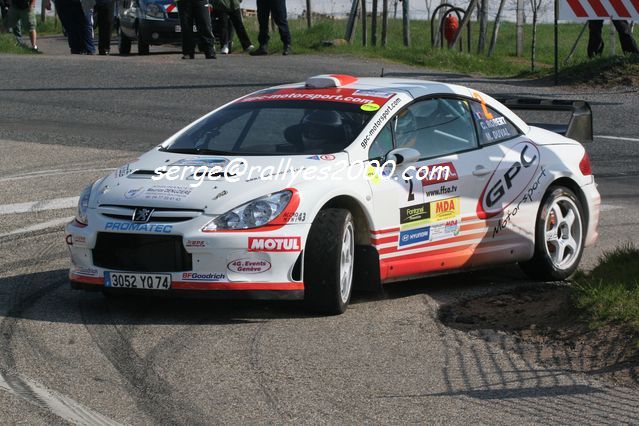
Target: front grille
point(141, 253)
point(165, 215)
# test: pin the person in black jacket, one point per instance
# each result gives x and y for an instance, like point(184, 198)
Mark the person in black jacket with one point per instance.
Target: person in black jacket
point(4, 9)
point(104, 10)
point(196, 12)
point(596, 44)
point(276, 9)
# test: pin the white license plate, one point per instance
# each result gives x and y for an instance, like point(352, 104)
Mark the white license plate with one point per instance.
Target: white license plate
point(137, 280)
point(178, 29)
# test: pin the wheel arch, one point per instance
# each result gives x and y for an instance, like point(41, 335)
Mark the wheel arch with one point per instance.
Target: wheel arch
point(362, 223)
point(574, 187)
point(366, 276)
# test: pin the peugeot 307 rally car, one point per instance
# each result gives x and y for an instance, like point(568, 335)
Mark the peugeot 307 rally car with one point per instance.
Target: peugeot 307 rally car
point(305, 191)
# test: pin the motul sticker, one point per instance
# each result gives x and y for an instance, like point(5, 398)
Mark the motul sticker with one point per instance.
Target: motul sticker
point(511, 178)
point(282, 244)
point(249, 266)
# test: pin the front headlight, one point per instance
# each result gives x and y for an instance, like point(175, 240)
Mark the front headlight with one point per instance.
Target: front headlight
point(83, 205)
point(154, 11)
point(253, 214)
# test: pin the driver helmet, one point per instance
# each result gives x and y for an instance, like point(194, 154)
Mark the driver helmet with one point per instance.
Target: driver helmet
point(321, 128)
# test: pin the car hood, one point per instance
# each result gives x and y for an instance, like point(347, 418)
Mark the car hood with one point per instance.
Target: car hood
point(134, 185)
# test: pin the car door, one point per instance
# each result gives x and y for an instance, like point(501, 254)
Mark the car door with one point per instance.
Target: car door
point(422, 208)
point(510, 170)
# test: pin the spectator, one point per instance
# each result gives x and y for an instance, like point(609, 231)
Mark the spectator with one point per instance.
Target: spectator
point(596, 44)
point(4, 9)
point(196, 12)
point(276, 9)
point(23, 11)
point(230, 10)
point(104, 10)
point(77, 26)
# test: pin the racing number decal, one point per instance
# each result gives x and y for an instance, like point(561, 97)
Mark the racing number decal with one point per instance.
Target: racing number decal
point(487, 113)
point(411, 193)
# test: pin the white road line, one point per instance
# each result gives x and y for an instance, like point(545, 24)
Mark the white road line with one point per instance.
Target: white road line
point(52, 173)
point(618, 138)
point(39, 226)
point(38, 206)
point(61, 405)
point(606, 207)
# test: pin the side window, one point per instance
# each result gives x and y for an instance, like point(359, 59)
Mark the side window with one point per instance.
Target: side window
point(382, 143)
point(436, 127)
point(493, 126)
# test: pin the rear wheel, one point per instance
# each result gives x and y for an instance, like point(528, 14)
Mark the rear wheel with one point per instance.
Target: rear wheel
point(124, 43)
point(559, 236)
point(328, 262)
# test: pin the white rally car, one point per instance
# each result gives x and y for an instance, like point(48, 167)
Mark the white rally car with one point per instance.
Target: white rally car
point(308, 190)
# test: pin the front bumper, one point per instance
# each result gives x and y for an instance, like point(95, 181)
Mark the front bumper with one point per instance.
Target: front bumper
point(265, 263)
point(159, 32)
point(593, 202)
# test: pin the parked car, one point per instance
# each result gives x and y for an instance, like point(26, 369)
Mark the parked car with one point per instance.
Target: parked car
point(152, 22)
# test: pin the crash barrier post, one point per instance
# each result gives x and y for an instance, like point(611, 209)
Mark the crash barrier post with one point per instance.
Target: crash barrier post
point(465, 21)
point(350, 24)
point(437, 37)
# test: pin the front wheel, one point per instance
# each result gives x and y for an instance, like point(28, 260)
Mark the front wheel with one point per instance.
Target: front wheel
point(124, 43)
point(328, 262)
point(143, 47)
point(559, 237)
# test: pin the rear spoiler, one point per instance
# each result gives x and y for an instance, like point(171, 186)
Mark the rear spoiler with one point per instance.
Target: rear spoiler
point(580, 125)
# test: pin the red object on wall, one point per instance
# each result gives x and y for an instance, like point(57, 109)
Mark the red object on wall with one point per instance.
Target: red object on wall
point(451, 24)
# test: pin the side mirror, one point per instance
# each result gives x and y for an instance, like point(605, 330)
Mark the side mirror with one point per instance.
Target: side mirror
point(403, 155)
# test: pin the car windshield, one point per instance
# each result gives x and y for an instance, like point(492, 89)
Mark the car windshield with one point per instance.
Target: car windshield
point(274, 128)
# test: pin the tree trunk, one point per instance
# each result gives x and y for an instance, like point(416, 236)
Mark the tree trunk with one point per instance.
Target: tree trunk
point(493, 39)
point(384, 22)
point(483, 26)
point(374, 24)
point(309, 14)
point(364, 28)
point(534, 39)
point(406, 22)
point(520, 28)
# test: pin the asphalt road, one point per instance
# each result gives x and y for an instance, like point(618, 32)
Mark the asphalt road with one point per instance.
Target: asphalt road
point(78, 357)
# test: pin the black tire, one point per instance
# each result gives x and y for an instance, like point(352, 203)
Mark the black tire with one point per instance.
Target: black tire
point(124, 43)
point(143, 47)
point(542, 266)
point(323, 262)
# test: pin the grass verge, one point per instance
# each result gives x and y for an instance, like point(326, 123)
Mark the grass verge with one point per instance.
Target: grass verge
point(609, 294)
point(8, 44)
